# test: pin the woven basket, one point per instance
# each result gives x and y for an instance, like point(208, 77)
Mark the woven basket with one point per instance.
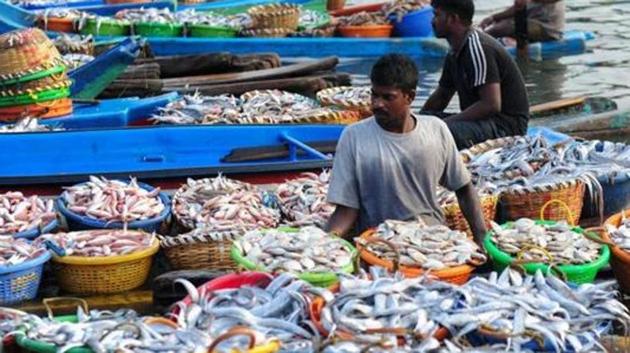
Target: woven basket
point(486, 146)
point(43, 110)
point(333, 117)
point(326, 98)
point(200, 250)
point(620, 259)
point(455, 218)
point(101, 275)
point(562, 201)
point(26, 51)
point(275, 16)
point(456, 275)
point(266, 32)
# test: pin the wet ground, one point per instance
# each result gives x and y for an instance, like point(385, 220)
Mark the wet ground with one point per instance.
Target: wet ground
point(604, 70)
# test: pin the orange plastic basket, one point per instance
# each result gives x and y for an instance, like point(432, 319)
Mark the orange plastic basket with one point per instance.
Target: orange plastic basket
point(107, 274)
point(374, 31)
point(456, 275)
point(43, 110)
point(620, 259)
point(57, 24)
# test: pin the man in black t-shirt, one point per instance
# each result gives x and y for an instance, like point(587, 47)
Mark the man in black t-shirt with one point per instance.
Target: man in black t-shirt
point(491, 90)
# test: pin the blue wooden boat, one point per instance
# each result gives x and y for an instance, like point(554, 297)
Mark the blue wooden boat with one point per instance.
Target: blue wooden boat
point(12, 17)
point(92, 78)
point(161, 152)
point(110, 113)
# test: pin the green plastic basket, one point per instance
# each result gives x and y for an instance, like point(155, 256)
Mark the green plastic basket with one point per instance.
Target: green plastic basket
point(207, 31)
point(35, 76)
point(318, 279)
point(584, 273)
point(107, 28)
point(30, 345)
point(34, 98)
point(155, 29)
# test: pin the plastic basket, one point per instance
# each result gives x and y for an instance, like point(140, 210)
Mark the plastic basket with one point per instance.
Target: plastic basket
point(43, 110)
point(21, 282)
point(584, 273)
point(620, 259)
point(55, 70)
point(455, 218)
point(456, 275)
point(106, 28)
point(47, 83)
point(106, 274)
point(35, 232)
point(207, 31)
point(319, 279)
point(35, 98)
point(79, 222)
point(414, 24)
point(373, 31)
point(57, 24)
point(155, 29)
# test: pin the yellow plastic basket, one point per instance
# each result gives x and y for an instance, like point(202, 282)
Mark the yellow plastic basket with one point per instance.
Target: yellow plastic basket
point(108, 274)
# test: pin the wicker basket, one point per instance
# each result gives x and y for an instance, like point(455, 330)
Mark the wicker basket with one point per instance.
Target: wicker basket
point(101, 275)
point(275, 16)
point(24, 52)
point(267, 32)
point(333, 117)
point(620, 259)
point(326, 98)
point(455, 218)
point(200, 249)
point(561, 201)
point(456, 275)
point(486, 146)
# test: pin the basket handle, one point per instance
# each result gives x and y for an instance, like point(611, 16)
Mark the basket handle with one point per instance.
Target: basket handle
point(48, 301)
point(571, 217)
point(520, 254)
point(590, 233)
point(235, 331)
point(392, 246)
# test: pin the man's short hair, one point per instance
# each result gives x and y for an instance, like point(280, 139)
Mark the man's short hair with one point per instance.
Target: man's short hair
point(465, 9)
point(395, 70)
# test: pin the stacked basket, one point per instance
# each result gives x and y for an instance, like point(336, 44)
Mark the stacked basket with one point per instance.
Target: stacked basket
point(33, 79)
point(273, 20)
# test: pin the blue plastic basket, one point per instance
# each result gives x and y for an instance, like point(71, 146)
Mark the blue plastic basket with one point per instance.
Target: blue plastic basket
point(35, 232)
point(21, 282)
point(79, 222)
point(414, 24)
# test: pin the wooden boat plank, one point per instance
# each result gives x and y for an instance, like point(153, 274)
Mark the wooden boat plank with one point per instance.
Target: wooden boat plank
point(557, 104)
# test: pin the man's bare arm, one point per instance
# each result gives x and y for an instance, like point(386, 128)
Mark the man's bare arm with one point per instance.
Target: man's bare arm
point(489, 104)
point(342, 220)
point(471, 208)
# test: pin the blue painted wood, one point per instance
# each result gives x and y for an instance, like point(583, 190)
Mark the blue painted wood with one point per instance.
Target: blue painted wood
point(185, 150)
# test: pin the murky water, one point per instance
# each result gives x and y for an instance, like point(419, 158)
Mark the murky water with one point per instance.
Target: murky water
point(604, 70)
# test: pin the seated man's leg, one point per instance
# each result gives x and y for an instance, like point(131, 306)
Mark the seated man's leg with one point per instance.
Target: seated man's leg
point(537, 33)
point(469, 133)
point(500, 29)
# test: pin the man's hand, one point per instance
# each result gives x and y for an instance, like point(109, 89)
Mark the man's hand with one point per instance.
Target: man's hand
point(486, 22)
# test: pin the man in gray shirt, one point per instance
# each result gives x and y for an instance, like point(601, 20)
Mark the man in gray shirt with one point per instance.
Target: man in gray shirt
point(545, 20)
point(389, 166)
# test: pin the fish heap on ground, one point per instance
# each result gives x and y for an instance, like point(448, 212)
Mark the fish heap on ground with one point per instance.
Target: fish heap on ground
point(419, 245)
point(16, 251)
point(310, 249)
point(254, 107)
point(113, 200)
point(277, 311)
point(221, 204)
point(556, 242)
point(19, 213)
point(399, 8)
point(33, 79)
point(303, 200)
point(99, 242)
point(621, 235)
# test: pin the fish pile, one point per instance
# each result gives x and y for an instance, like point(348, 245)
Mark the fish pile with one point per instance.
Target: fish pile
point(303, 200)
point(99, 242)
point(148, 15)
point(309, 249)
point(113, 200)
point(19, 213)
point(555, 243)
point(354, 96)
point(278, 310)
point(27, 124)
point(621, 235)
point(236, 21)
point(67, 44)
point(73, 61)
point(534, 308)
point(381, 308)
point(16, 251)
point(57, 12)
point(363, 18)
point(254, 107)
point(399, 8)
point(313, 19)
point(433, 247)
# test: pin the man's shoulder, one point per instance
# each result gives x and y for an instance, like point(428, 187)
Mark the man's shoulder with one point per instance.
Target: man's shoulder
point(430, 122)
point(488, 43)
point(359, 128)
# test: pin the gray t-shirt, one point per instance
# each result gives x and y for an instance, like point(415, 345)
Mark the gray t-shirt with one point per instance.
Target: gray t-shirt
point(387, 175)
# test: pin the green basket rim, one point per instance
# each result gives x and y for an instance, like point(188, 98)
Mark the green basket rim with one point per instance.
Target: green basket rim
point(325, 21)
point(504, 259)
point(44, 347)
point(204, 26)
point(34, 76)
point(109, 22)
point(159, 24)
point(42, 96)
point(320, 278)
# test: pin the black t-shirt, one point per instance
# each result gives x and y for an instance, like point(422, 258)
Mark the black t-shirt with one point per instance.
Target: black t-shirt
point(482, 60)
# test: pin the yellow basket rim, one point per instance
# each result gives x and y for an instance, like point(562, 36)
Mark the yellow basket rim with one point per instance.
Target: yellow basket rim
point(108, 260)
